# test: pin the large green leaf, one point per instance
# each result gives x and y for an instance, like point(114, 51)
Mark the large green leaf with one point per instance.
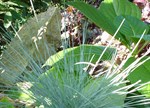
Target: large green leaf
point(141, 73)
point(146, 90)
point(124, 7)
point(106, 14)
point(137, 26)
point(77, 53)
point(64, 61)
point(102, 17)
point(2, 8)
point(149, 29)
point(126, 27)
point(107, 8)
point(94, 15)
point(131, 27)
point(145, 37)
point(104, 7)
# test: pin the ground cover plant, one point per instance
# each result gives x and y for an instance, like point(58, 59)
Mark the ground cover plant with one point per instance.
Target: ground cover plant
point(34, 74)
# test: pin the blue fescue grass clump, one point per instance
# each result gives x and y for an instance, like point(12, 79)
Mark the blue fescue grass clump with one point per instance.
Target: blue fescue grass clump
point(63, 82)
point(66, 84)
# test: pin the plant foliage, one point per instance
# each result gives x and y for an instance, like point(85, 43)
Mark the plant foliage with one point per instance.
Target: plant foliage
point(109, 15)
point(63, 80)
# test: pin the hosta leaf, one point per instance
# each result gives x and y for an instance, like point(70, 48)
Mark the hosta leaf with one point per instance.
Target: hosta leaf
point(141, 73)
point(131, 27)
point(145, 37)
point(94, 15)
point(126, 27)
point(15, 15)
point(146, 90)
point(105, 15)
point(124, 7)
point(109, 15)
point(138, 26)
point(76, 53)
point(107, 5)
point(102, 17)
point(149, 29)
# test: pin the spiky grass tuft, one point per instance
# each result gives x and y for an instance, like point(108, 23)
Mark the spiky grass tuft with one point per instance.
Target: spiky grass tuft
point(67, 85)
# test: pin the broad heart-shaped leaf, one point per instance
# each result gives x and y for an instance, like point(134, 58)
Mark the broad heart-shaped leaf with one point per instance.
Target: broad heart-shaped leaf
point(81, 53)
point(124, 7)
point(131, 27)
